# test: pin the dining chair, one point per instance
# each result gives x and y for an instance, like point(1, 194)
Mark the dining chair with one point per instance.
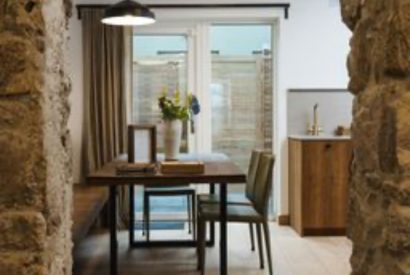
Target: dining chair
point(169, 191)
point(257, 213)
point(249, 191)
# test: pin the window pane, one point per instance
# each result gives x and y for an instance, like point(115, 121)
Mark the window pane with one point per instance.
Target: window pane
point(241, 90)
point(160, 62)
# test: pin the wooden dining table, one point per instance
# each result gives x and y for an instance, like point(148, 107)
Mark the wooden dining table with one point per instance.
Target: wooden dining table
point(219, 169)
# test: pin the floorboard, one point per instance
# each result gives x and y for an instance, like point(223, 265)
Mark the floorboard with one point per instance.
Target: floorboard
point(292, 255)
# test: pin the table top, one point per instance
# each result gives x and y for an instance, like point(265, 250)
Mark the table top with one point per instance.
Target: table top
point(320, 137)
point(218, 169)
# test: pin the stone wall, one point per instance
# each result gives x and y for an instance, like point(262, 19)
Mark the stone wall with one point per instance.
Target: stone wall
point(379, 66)
point(35, 183)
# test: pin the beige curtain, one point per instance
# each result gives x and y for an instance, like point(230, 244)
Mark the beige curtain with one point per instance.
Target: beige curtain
point(105, 58)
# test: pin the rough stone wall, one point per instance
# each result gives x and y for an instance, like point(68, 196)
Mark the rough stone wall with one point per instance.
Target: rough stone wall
point(379, 66)
point(35, 175)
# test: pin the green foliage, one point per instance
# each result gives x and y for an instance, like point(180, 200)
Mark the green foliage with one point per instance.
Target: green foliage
point(172, 108)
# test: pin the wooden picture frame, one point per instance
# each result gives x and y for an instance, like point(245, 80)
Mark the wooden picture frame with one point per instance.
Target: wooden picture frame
point(143, 134)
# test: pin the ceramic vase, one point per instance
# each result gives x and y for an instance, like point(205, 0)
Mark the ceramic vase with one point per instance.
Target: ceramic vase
point(172, 138)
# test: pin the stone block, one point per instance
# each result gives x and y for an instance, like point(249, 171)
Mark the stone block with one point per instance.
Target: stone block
point(22, 263)
point(23, 18)
point(22, 181)
point(20, 70)
point(397, 49)
point(22, 230)
point(351, 10)
point(403, 128)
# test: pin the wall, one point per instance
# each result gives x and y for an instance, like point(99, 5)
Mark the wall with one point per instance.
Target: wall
point(379, 188)
point(75, 123)
point(35, 164)
point(335, 108)
point(312, 48)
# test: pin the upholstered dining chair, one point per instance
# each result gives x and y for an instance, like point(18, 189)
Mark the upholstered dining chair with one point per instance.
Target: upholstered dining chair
point(249, 191)
point(256, 213)
point(170, 191)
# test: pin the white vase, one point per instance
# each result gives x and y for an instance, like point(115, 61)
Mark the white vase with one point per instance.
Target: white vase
point(172, 138)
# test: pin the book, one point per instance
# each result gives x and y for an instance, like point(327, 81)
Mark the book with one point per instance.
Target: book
point(182, 167)
point(125, 168)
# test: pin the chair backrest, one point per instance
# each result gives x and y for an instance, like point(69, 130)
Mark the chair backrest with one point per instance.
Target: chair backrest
point(263, 183)
point(252, 170)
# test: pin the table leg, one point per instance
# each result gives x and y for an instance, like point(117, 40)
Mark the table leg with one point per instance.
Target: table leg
point(223, 238)
point(132, 215)
point(113, 230)
point(212, 224)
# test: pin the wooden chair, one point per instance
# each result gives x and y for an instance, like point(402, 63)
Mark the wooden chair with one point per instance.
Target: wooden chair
point(256, 213)
point(249, 191)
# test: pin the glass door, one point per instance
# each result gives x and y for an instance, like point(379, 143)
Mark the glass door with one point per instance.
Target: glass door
point(241, 90)
point(159, 65)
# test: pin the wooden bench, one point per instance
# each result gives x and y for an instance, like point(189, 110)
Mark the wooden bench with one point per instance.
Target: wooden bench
point(88, 203)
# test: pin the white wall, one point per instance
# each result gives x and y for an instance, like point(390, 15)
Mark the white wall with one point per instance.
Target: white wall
point(312, 48)
point(335, 108)
point(75, 123)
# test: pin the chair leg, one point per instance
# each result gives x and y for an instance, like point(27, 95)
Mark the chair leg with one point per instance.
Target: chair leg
point(201, 245)
point(252, 236)
point(260, 247)
point(194, 215)
point(144, 214)
point(147, 218)
point(267, 245)
point(188, 197)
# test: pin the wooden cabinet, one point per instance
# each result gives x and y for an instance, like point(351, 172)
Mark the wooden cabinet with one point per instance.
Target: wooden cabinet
point(318, 179)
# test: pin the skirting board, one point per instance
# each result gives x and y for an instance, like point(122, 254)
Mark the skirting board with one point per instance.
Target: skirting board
point(283, 220)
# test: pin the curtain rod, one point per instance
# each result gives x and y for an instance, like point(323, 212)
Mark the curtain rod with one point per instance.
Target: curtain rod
point(284, 6)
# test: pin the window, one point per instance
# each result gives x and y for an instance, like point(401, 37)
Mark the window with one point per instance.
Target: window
point(159, 63)
point(241, 90)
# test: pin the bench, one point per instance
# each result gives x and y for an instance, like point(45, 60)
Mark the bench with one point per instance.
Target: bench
point(88, 202)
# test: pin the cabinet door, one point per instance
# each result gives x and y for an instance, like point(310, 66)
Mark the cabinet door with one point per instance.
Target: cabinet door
point(338, 181)
point(314, 194)
point(325, 177)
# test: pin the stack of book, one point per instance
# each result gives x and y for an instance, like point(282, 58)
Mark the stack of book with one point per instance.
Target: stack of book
point(132, 168)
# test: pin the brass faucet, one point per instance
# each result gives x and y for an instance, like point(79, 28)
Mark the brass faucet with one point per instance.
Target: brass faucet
point(315, 130)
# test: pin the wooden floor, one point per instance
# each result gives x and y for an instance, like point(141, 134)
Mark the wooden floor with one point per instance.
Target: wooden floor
point(292, 255)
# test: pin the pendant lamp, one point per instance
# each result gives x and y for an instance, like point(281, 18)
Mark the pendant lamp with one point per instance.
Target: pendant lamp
point(128, 13)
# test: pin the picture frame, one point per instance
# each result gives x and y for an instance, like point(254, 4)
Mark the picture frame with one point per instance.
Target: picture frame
point(142, 144)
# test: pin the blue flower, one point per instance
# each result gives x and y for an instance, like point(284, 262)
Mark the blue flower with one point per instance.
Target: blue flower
point(195, 106)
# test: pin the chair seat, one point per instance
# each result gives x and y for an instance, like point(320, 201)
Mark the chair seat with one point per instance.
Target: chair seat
point(214, 199)
point(235, 213)
point(172, 190)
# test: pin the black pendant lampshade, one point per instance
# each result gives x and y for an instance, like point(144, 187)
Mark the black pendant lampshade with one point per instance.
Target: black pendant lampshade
point(128, 13)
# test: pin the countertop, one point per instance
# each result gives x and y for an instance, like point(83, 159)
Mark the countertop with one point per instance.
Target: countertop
point(320, 137)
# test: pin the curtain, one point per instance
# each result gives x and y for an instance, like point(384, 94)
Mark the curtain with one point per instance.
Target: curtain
point(106, 79)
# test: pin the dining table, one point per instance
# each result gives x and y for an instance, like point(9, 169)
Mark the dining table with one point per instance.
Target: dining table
point(218, 170)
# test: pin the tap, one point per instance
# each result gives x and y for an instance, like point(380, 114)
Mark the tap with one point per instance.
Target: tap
point(315, 130)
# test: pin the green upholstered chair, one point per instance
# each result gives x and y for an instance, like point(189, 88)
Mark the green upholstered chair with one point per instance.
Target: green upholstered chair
point(256, 213)
point(249, 191)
